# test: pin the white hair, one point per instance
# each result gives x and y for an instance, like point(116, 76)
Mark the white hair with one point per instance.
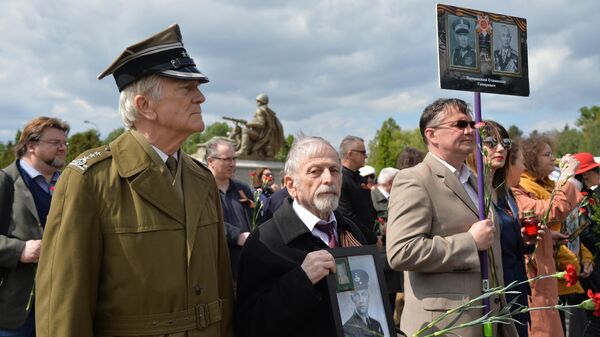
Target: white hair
point(386, 175)
point(305, 147)
point(148, 86)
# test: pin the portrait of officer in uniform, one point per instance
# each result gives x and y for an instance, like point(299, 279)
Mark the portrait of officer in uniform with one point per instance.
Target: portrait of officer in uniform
point(463, 52)
point(135, 242)
point(506, 57)
point(360, 324)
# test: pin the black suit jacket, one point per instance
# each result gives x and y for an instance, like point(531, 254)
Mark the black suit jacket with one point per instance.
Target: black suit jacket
point(274, 295)
point(273, 203)
point(356, 327)
point(356, 204)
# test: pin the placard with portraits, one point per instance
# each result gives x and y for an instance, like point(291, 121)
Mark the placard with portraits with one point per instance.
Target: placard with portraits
point(482, 51)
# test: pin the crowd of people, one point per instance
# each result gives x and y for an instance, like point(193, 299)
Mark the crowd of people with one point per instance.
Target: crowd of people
point(136, 238)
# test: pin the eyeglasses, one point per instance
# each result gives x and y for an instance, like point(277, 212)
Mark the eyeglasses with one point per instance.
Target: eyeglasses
point(226, 159)
point(548, 154)
point(364, 152)
point(54, 142)
point(461, 124)
point(493, 142)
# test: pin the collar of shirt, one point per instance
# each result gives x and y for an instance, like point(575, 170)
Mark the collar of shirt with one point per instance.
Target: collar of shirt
point(462, 175)
point(38, 177)
point(163, 155)
point(384, 192)
point(310, 220)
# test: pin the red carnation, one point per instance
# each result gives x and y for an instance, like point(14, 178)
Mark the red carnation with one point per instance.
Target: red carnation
point(596, 299)
point(571, 275)
point(252, 174)
point(479, 125)
point(582, 210)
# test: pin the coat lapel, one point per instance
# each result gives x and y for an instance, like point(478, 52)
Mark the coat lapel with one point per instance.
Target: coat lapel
point(146, 179)
point(22, 193)
point(451, 181)
point(195, 180)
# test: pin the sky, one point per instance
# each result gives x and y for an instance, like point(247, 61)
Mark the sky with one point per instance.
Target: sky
point(331, 68)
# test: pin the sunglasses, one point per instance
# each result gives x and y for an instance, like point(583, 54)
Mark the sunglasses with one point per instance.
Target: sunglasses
point(461, 124)
point(493, 142)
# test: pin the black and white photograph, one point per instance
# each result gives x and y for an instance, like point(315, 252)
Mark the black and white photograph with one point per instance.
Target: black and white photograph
point(360, 310)
point(505, 46)
point(462, 41)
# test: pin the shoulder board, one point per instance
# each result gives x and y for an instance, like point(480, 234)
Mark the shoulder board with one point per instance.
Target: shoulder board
point(91, 157)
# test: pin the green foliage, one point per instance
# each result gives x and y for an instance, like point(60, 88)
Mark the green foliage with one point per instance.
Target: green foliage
point(589, 122)
point(81, 142)
point(217, 129)
point(285, 148)
point(389, 141)
point(6, 154)
point(113, 135)
point(569, 140)
point(514, 132)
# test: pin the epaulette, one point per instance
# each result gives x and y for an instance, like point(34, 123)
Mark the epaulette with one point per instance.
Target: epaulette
point(91, 157)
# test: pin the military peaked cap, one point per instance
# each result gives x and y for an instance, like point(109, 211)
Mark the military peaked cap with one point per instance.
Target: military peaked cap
point(360, 278)
point(162, 53)
point(461, 26)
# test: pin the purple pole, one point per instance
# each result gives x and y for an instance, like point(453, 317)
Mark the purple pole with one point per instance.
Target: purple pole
point(481, 198)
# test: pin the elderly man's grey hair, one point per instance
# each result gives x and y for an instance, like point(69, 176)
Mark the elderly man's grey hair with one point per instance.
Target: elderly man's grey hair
point(148, 86)
point(211, 147)
point(386, 175)
point(302, 148)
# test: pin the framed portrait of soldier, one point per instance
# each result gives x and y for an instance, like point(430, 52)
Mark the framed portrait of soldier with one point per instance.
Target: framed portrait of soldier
point(462, 42)
point(358, 294)
point(505, 49)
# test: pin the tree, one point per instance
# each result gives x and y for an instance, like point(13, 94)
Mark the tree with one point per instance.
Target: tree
point(114, 134)
point(569, 140)
point(285, 148)
point(514, 132)
point(589, 122)
point(81, 142)
point(217, 129)
point(389, 141)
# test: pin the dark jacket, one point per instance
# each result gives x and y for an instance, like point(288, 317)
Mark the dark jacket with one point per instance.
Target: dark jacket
point(273, 202)
point(274, 295)
point(356, 327)
point(24, 225)
point(356, 204)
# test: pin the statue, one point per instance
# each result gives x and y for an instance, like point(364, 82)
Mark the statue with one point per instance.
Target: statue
point(262, 137)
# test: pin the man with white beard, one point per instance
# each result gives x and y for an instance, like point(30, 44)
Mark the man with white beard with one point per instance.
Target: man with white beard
point(281, 289)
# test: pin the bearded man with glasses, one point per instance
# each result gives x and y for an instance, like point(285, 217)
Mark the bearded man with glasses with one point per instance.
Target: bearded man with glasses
point(434, 232)
point(26, 188)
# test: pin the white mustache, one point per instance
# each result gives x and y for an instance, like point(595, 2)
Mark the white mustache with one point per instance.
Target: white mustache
point(327, 189)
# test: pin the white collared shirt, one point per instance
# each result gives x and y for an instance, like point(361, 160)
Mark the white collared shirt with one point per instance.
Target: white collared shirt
point(163, 156)
point(311, 220)
point(384, 192)
point(463, 176)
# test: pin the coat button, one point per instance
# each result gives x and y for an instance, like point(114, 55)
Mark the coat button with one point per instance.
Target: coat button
point(197, 289)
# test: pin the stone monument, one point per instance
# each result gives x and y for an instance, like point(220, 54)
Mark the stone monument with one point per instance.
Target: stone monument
point(256, 142)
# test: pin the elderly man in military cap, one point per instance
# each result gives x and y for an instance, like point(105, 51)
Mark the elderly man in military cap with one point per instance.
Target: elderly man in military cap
point(463, 55)
point(134, 243)
point(360, 324)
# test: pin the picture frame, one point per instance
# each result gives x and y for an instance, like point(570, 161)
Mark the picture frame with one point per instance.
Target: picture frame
point(505, 36)
point(469, 61)
point(360, 305)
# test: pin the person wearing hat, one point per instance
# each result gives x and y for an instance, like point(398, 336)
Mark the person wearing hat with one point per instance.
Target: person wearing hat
point(463, 55)
point(368, 172)
point(588, 175)
point(360, 324)
point(134, 242)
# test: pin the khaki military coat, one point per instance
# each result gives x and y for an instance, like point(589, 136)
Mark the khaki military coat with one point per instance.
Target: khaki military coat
point(122, 256)
point(429, 215)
